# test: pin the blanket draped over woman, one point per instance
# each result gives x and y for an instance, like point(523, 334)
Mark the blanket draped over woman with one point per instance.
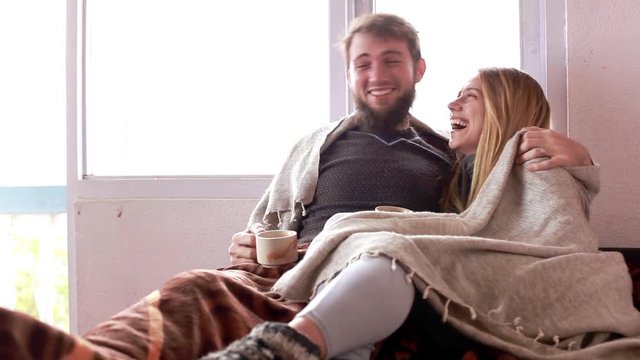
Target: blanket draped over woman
point(519, 269)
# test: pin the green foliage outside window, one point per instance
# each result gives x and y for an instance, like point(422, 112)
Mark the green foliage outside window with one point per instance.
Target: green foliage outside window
point(40, 271)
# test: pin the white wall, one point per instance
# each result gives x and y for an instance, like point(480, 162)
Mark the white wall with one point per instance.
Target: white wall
point(126, 248)
point(604, 108)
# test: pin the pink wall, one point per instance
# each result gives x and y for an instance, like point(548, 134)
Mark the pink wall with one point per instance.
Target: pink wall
point(126, 248)
point(603, 39)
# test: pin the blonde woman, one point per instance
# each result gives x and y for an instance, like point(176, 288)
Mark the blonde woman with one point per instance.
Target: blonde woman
point(488, 111)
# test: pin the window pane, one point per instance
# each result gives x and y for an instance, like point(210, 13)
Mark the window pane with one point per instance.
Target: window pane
point(160, 102)
point(200, 87)
point(32, 92)
point(457, 38)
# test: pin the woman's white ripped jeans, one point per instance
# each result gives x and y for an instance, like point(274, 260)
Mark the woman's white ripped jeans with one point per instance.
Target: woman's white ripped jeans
point(364, 304)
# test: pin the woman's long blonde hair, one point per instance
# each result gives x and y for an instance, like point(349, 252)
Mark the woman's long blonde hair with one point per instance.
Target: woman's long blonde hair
point(512, 100)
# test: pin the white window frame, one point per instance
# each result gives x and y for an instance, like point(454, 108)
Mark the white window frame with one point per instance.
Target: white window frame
point(543, 55)
point(543, 44)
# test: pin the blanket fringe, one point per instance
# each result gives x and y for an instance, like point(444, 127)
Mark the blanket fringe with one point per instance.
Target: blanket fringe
point(517, 326)
point(304, 210)
point(494, 311)
point(516, 323)
point(472, 311)
point(539, 336)
point(409, 277)
point(445, 314)
point(425, 293)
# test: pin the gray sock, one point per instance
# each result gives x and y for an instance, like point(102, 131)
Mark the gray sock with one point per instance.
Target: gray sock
point(269, 341)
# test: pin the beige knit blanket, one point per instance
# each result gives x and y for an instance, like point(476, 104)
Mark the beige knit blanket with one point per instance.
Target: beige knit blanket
point(519, 270)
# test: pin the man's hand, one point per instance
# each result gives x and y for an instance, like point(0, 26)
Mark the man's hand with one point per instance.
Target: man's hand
point(243, 245)
point(558, 149)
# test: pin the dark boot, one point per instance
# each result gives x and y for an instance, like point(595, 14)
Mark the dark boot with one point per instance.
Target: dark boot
point(269, 341)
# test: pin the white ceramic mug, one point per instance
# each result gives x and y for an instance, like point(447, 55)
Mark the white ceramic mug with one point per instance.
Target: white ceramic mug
point(389, 208)
point(277, 247)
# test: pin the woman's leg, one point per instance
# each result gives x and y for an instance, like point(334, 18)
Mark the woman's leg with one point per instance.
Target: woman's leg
point(364, 304)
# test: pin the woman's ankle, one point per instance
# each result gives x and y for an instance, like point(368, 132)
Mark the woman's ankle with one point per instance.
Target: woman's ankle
point(308, 328)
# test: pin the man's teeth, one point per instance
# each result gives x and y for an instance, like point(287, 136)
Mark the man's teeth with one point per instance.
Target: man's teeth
point(380, 92)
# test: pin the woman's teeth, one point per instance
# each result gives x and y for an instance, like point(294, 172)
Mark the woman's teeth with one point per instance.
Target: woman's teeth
point(458, 124)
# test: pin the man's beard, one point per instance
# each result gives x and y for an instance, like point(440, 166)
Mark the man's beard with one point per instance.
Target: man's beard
point(386, 120)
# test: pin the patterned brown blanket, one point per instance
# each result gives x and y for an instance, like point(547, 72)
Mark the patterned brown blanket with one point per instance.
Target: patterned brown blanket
point(197, 312)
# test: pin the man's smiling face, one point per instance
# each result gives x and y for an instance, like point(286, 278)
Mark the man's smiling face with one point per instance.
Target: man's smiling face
point(382, 77)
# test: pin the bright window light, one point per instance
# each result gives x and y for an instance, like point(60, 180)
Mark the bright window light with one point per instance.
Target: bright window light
point(32, 92)
point(200, 87)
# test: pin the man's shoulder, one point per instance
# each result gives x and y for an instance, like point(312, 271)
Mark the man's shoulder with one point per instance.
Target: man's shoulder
point(344, 123)
point(323, 130)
